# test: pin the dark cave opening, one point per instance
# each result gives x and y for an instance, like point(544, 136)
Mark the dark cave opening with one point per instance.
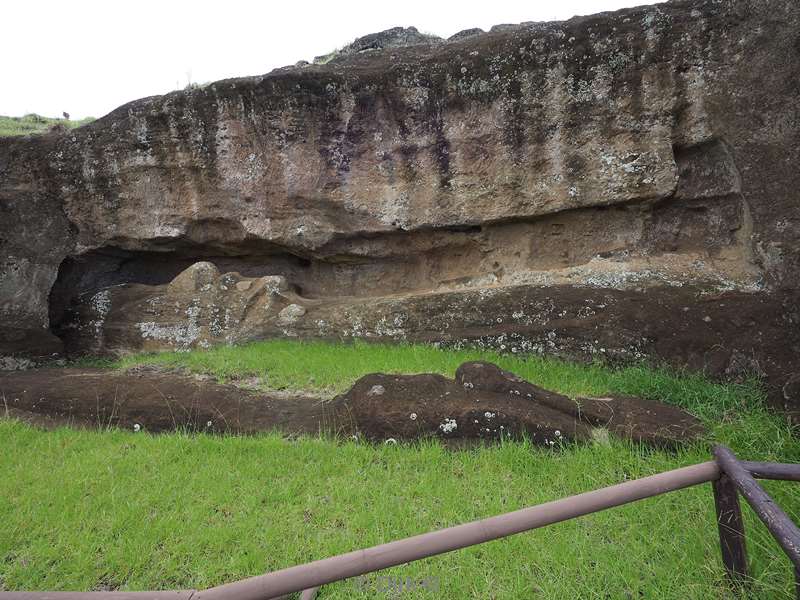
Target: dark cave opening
point(80, 277)
point(397, 263)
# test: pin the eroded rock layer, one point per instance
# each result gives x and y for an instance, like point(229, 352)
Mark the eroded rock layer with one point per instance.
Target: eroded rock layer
point(623, 184)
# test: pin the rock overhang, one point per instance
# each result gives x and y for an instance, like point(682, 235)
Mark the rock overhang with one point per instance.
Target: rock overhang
point(645, 152)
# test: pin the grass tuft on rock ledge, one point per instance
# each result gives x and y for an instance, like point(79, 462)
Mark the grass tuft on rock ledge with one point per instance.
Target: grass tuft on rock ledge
point(115, 509)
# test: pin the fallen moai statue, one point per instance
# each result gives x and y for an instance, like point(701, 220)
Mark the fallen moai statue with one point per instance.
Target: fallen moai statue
point(486, 402)
point(482, 402)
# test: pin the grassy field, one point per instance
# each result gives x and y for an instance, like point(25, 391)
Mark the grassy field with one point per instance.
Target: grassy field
point(331, 368)
point(122, 510)
point(32, 124)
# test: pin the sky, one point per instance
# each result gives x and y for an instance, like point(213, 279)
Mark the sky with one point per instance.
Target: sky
point(87, 57)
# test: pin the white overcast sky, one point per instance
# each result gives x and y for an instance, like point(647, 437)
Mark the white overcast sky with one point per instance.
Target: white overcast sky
point(87, 57)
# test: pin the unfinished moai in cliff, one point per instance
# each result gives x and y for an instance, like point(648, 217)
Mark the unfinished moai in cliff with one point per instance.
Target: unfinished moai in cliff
point(621, 185)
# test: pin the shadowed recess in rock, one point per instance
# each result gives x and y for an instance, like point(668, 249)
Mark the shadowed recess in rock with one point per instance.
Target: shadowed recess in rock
point(619, 184)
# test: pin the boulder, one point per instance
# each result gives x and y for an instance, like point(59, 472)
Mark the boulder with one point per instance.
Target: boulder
point(291, 314)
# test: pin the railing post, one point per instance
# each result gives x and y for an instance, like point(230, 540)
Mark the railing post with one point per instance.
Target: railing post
point(731, 529)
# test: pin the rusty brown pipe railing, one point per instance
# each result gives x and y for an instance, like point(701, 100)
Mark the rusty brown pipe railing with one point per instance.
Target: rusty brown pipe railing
point(308, 577)
point(779, 471)
point(736, 478)
point(421, 546)
point(309, 594)
point(778, 522)
point(160, 595)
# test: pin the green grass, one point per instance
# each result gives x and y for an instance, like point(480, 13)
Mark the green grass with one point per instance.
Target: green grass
point(331, 368)
point(33, 124)
point(114, 509)
point(326, 58)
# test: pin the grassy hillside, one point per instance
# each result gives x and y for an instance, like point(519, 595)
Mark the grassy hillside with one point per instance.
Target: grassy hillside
point(122, 510)
point(33, 124)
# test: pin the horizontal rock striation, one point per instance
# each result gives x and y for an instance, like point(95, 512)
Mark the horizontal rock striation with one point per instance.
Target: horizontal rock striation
point(623, 184)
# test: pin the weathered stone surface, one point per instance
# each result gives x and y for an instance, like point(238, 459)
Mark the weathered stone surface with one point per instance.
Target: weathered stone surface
point(791, 396)
point(149, 400)
point(654, 423)
point(35, 237)
point(465, 33)
point(479, 377)
point(486, 402)
point(379, 407)
point(198, 308)
point(620, 184)
point(291, 314)
point(406, 407)
point(396, 37)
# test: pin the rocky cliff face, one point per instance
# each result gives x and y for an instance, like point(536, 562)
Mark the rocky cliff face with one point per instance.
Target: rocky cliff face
point(623, 184)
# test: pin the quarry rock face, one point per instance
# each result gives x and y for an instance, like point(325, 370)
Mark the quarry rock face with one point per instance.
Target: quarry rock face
point(622, 185)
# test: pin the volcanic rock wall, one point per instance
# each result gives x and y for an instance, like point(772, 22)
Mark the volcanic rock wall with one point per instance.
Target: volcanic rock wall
point(624, 185)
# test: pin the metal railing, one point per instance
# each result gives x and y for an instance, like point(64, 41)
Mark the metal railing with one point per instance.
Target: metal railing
point(729, 477)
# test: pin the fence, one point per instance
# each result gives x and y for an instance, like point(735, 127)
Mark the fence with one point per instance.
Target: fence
point(729, 476)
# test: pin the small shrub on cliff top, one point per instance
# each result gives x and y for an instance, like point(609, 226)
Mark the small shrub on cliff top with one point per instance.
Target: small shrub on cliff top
point(32, 124)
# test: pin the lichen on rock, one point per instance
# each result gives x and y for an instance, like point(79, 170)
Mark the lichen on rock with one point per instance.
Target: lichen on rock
point(612, 180)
